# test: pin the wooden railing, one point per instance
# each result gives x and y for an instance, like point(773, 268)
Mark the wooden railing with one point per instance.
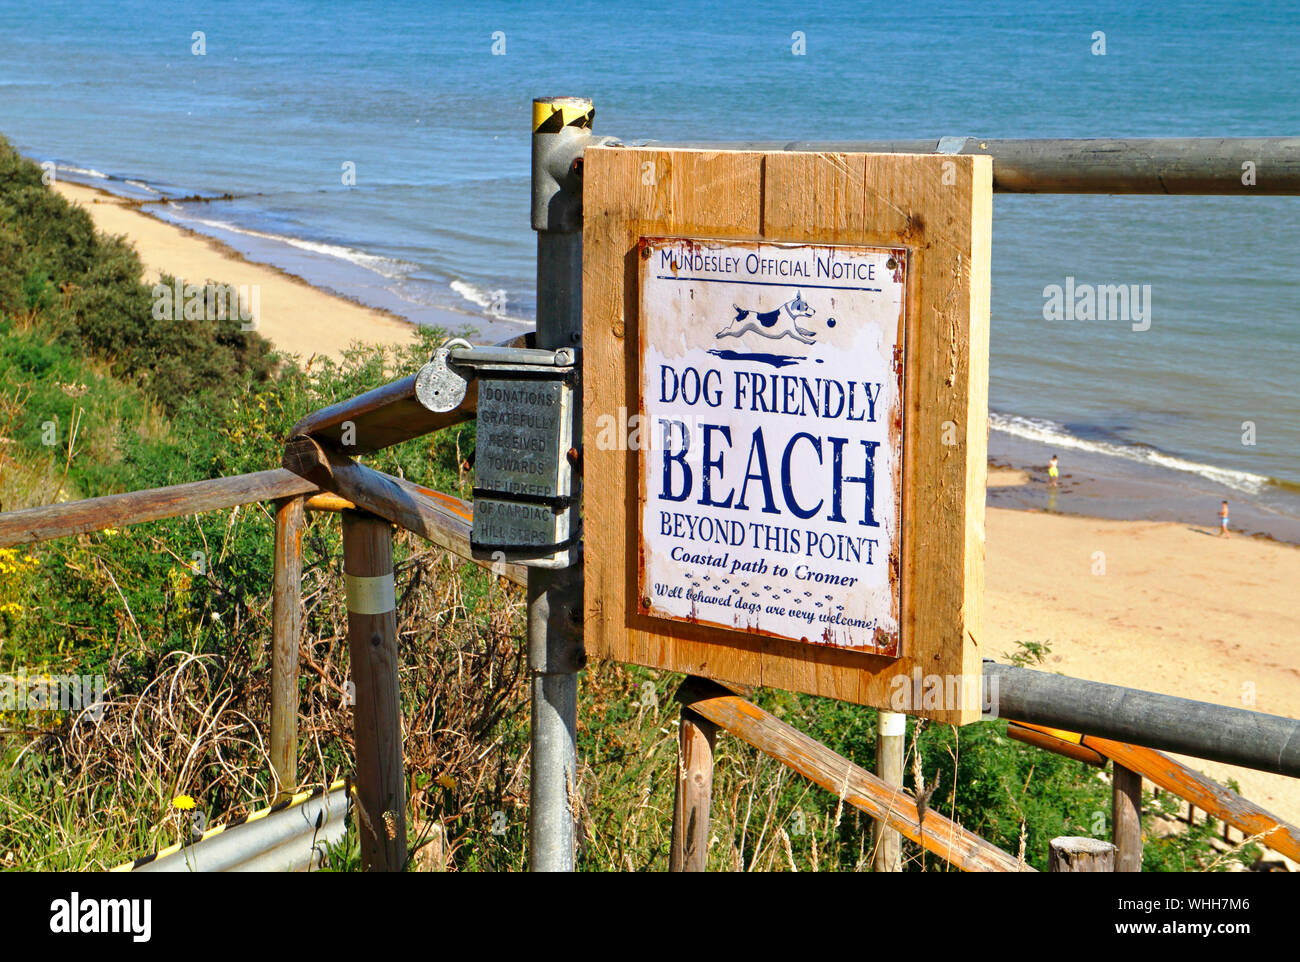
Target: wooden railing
point(1130, 764)
point(706, 704)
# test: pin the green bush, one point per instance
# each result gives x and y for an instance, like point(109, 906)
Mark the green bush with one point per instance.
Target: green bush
point(87, 290)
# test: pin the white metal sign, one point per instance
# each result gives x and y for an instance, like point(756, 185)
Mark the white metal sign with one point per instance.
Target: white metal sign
point(771, 438)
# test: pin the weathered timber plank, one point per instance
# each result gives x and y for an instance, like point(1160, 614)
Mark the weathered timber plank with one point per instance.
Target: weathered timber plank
point(388, 415)
point(837, 774)
point(436, 517)
point(45, 523)
point(1200, 791)
point(1203, 793)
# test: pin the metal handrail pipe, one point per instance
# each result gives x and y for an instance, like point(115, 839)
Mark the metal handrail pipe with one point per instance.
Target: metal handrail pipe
point(1244, 166)
point(1234, 736)
point(290, 840)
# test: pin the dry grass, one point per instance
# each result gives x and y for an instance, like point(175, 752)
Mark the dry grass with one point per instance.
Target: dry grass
point(90, 790)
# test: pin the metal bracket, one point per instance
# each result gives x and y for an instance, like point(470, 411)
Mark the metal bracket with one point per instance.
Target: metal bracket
point(523, 474)
point(951, 145)
point(442, 383)
point(535, 361)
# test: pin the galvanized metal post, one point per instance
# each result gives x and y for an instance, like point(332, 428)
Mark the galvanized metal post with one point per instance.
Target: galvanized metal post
point(561, 130)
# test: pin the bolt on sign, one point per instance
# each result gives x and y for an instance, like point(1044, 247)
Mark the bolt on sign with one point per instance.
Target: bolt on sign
point(785, 400)
point(772, 439)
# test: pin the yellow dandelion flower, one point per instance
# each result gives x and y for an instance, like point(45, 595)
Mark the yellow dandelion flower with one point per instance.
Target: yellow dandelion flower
point(183, 802)
point(446, 781)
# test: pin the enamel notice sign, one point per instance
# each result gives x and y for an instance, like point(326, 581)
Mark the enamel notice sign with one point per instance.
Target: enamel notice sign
point(770, 445)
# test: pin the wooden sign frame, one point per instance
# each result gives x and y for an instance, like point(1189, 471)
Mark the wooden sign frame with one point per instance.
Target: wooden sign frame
point(938, 208)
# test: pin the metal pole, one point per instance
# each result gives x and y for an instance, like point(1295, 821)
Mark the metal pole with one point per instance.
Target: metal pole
point(1233, 736)
point(1154, 165)
point(291, 840)
point(561, 130)
point(891, 735)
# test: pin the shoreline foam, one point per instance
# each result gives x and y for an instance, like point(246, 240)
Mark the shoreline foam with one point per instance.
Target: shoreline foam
point(297, 317)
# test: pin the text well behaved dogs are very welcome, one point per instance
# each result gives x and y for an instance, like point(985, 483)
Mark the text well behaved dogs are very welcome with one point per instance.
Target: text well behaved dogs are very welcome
point(770, 439)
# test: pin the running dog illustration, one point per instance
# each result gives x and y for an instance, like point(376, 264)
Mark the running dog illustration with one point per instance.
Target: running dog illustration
point(782, 322)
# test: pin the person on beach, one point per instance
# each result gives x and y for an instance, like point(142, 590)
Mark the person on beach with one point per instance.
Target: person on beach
point(1053, 472)
point(1223, 520)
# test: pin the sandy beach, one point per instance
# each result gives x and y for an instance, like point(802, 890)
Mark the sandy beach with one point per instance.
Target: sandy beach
point(294, 316)
point(1167, 607)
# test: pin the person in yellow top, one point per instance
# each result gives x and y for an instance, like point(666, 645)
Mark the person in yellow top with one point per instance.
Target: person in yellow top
point(1053, 472)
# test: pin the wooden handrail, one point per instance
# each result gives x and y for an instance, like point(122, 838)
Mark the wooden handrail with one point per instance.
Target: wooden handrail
point(437, 517)
point(388, 415)
point(1056, 741)
point(837, 774)
point(30, 525)
point(1202, 792)
point(383, 417)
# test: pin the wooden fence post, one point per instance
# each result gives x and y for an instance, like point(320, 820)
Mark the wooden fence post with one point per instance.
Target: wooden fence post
point(286, 632)
point(1081, 854)
point(891, 733)
point(376, 711)
point(1126, 818)
point(689, 851)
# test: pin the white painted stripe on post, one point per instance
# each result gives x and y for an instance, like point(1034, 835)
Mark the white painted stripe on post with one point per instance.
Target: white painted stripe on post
point(370, 596)
point(892, 723)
